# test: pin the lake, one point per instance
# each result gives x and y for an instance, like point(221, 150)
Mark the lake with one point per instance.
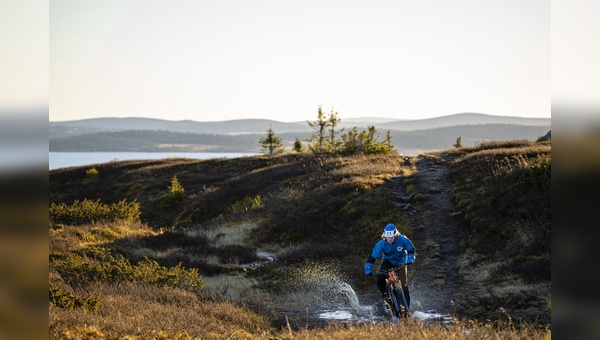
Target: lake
point(57, 160)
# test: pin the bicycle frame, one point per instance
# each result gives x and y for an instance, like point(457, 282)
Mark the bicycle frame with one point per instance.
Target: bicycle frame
point(396, 301)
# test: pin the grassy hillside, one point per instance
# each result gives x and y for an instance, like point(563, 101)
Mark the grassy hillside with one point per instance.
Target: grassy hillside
point(130, 256)
point(503, 192)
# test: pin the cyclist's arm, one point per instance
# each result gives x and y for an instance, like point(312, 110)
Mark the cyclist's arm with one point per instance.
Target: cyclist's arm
point(377, 250)
point(410, 251)
point(376, 253)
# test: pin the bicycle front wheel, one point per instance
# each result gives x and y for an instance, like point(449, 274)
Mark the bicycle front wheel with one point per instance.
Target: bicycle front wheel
point(401, 302)
point(391, 303)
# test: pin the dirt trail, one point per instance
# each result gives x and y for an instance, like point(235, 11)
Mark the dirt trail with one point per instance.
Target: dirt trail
point(434, 278)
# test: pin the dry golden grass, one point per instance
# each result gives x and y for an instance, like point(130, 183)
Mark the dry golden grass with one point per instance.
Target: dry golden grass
point(418, 330)
point(69, 238)
point(144, 311)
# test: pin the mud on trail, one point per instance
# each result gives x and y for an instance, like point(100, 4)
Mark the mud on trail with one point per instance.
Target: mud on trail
point(435, 278)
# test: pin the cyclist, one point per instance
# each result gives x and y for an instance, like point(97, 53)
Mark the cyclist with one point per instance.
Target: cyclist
point(394, 249)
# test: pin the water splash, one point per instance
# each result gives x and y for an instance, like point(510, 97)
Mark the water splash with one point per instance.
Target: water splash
point(318, 291)
point(346, 289)
point(320, 288)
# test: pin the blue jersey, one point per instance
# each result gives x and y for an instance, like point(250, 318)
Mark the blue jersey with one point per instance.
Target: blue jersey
point(399, 252)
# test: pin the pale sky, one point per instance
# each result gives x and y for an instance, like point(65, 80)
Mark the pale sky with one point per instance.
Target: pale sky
point(281, 59)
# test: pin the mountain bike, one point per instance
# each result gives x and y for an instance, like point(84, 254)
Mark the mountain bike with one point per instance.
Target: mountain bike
point(396, 301)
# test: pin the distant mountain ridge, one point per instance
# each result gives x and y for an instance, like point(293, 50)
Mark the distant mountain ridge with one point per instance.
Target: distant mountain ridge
point(253, 126)
point(462, 119)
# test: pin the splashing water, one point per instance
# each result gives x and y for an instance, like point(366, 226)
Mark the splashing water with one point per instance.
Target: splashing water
point(320, 288)
point(353, 312)
point(358, 312)
point(347, 290)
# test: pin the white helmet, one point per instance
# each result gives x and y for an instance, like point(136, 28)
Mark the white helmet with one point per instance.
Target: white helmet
point(390, 230)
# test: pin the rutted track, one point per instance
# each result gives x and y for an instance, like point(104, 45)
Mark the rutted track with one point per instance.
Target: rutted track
point(435, 276)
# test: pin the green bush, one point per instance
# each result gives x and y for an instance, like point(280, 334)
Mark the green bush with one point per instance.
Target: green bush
point(542, 171)
point(99, 265)
point(91, 176)
point(248, 203)
point(67, 300)
point(88, 211)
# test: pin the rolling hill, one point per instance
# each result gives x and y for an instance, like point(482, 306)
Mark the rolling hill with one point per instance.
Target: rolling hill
point(156, 135)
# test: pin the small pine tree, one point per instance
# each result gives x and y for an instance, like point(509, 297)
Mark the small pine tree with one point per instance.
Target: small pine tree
point(271, 144)
point(176, 189)
point(458, 143)
point(174, 195)
point(298, 146)
point(318, 138)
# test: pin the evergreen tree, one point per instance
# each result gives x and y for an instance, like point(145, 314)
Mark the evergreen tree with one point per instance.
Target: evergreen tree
point(174, 195)
point(458, 143)
point(298, 146)
point(332, 121)
point(388, 141)
point(317, 140)
point(271, 144)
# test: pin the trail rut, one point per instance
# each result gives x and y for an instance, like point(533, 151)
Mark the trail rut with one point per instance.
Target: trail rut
point(434, 278)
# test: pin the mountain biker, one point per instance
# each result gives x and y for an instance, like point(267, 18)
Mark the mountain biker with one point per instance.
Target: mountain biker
point(394, 249)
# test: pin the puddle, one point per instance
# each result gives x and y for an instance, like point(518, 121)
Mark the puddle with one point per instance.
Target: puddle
point(266, 255)
point(431, 316)
point(360, 313)
point(263, 256)
point(364, 314)
point(370, 314)
point(336, 315)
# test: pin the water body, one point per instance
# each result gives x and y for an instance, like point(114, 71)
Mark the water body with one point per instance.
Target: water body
point(57, 160)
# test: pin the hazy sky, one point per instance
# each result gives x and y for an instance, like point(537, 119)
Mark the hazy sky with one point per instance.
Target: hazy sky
point(281, 59)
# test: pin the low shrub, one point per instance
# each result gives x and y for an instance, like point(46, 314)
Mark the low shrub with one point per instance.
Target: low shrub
point(248, 203)
point(88, 212)
point(67, 300)
point(91, 176)
point(98, 265)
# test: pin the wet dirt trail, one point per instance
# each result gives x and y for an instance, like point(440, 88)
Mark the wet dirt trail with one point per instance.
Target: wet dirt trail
point(434, 278)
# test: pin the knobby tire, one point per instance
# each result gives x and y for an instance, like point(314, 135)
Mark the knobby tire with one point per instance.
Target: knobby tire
point(401, 302)
point(393, 304)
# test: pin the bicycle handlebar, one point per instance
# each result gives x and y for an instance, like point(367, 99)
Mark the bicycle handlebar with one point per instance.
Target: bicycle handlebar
point(386, 272)
point(397, 267)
